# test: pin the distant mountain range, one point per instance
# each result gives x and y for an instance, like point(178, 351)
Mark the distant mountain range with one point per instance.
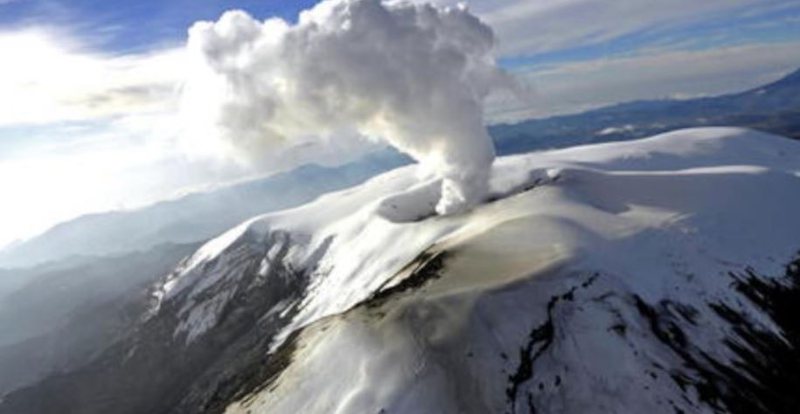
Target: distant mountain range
point(59, 315)
point(191, 218)
point(772, 108)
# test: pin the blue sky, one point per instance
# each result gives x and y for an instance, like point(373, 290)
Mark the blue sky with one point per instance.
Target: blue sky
point(126, 27)
point(129, 26)
point(88, 88)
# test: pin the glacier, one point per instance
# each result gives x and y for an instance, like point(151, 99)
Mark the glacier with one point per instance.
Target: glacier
point(661, 219)
point(641, 276)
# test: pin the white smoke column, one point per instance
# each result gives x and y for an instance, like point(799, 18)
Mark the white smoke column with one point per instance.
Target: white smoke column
point(413, 75)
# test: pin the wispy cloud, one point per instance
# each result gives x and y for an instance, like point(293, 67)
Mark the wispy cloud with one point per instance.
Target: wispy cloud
point(48, 77)
point(575, 86)
point(529, 27)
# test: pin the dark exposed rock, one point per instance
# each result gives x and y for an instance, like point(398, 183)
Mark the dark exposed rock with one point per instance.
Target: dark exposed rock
point(153, 370)
point(539, 340)
point(765, 374)
point(426, 267)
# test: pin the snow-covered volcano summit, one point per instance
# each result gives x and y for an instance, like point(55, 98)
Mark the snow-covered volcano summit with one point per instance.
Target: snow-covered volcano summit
point(658, 275)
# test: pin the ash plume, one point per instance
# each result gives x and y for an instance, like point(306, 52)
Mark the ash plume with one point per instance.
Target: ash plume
point(412, 75)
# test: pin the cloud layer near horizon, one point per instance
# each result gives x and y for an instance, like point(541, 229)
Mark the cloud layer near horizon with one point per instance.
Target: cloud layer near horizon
point(412, 75)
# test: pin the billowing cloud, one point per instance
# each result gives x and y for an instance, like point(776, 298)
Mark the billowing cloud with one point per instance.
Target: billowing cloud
point(412, 75)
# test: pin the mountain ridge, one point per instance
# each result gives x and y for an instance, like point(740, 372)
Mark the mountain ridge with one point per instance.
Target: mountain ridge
point(620, 277)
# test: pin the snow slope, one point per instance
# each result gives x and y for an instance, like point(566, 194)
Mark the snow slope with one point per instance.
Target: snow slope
point(659, 220)
point(658, 275)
